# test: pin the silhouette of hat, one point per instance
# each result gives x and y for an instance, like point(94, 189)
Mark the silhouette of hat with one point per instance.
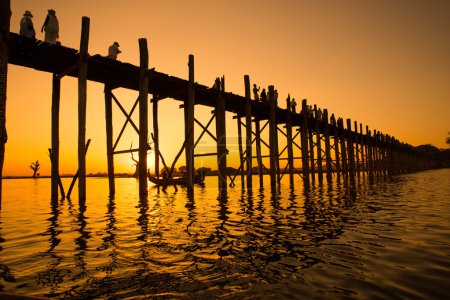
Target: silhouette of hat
point(52, 11)
point(28, 13)
point(117, 43)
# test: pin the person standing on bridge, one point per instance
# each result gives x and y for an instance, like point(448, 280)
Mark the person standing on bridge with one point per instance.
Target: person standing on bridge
point(263, 96)
point(51, 27)
point(113, 50)
point(293, 105)
point(26, 25)
point(256, 92)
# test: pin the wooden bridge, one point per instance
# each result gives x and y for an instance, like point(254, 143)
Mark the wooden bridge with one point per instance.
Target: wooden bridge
point(326, 148)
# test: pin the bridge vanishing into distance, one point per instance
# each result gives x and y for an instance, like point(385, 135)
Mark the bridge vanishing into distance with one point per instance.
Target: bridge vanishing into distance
point(326, 147)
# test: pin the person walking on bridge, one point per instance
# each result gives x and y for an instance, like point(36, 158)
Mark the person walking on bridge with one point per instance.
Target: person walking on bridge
point(26, 25)
point(113, 50)
point(51, 27)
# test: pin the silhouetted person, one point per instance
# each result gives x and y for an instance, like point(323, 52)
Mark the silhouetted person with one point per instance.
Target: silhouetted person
point(26, 25)
point(113, 50)
point(264, 96)
point(319, 114)
point(293, 105)
point(275, 97)
point(217, 84)
point(256, 92)
point(51, 27)
point(333, 120)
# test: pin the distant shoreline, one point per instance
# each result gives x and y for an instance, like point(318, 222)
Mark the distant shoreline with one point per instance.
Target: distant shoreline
point(68, 176)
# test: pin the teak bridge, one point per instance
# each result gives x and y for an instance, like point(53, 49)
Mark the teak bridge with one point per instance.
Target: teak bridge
point(326, 147)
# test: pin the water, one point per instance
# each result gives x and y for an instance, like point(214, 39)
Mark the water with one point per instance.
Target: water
point(389, 239)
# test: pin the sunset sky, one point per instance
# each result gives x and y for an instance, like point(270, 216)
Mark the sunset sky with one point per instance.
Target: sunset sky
point(383, 63)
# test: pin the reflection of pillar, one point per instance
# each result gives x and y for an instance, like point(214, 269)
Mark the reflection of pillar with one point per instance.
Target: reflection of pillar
point(189, 126)
point(109, 139)
point(82, 99)
point(143, 116)
point(248, 131)
point(56, 91)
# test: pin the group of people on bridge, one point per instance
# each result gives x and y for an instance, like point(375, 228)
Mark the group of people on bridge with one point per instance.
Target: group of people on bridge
point(51, 29)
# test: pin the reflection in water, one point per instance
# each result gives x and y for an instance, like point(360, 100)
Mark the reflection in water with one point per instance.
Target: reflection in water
point(311, 241)
point(5, 272)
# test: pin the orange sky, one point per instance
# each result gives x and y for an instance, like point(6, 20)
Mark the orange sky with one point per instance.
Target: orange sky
point(383, 63)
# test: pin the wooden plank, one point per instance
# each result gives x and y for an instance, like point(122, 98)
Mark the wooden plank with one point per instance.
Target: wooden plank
point(248, 131)
point(143, 117)
point(109, 139)
point(82, 101)
point(56, 93)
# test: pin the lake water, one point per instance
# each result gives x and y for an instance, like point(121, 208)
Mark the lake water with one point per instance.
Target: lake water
point(386, 239)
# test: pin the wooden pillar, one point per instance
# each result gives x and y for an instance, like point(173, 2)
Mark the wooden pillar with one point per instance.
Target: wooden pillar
point(327, 146)
point(351, 152)
point(248, 131)
point(272, 139)
point(155, 134)
point(312, 169)
point(289, 141)
point(109, 139)
point(375, 152)
point(357, 149)
point(343, 147)
point(362, 147)
point(5, 16)
point(56, 93)
point(82, 100)
point(258, 152)
point(241, 151)
point(143, 116)
point(319, 151)
point(189, 126)
point(304, 143)
point(336, 150)
point(369, 152)
point(221, 142)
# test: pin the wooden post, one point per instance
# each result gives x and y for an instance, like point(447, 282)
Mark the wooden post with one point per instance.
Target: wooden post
point(327, 146)
point(82, 100)
point(289, 141)
point(304, 143)
point(336, 150)
point(109, 139)
point(241, 151)
point(56, 92)
point(369, 152)
point(143, 116)
point(375, 151)
point(221, 142)
point(5, 16)
point(248, 131)
point(272, 139)
point(350, 149)
point(156, 134)
point(312, 159)
point(362, 147)
point(357, 148)
point(189, 126)
point(319, 151)
point(258, 152)
point(343, 148)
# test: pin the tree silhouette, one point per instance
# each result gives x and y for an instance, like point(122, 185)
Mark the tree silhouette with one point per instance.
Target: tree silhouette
point(35, 167)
